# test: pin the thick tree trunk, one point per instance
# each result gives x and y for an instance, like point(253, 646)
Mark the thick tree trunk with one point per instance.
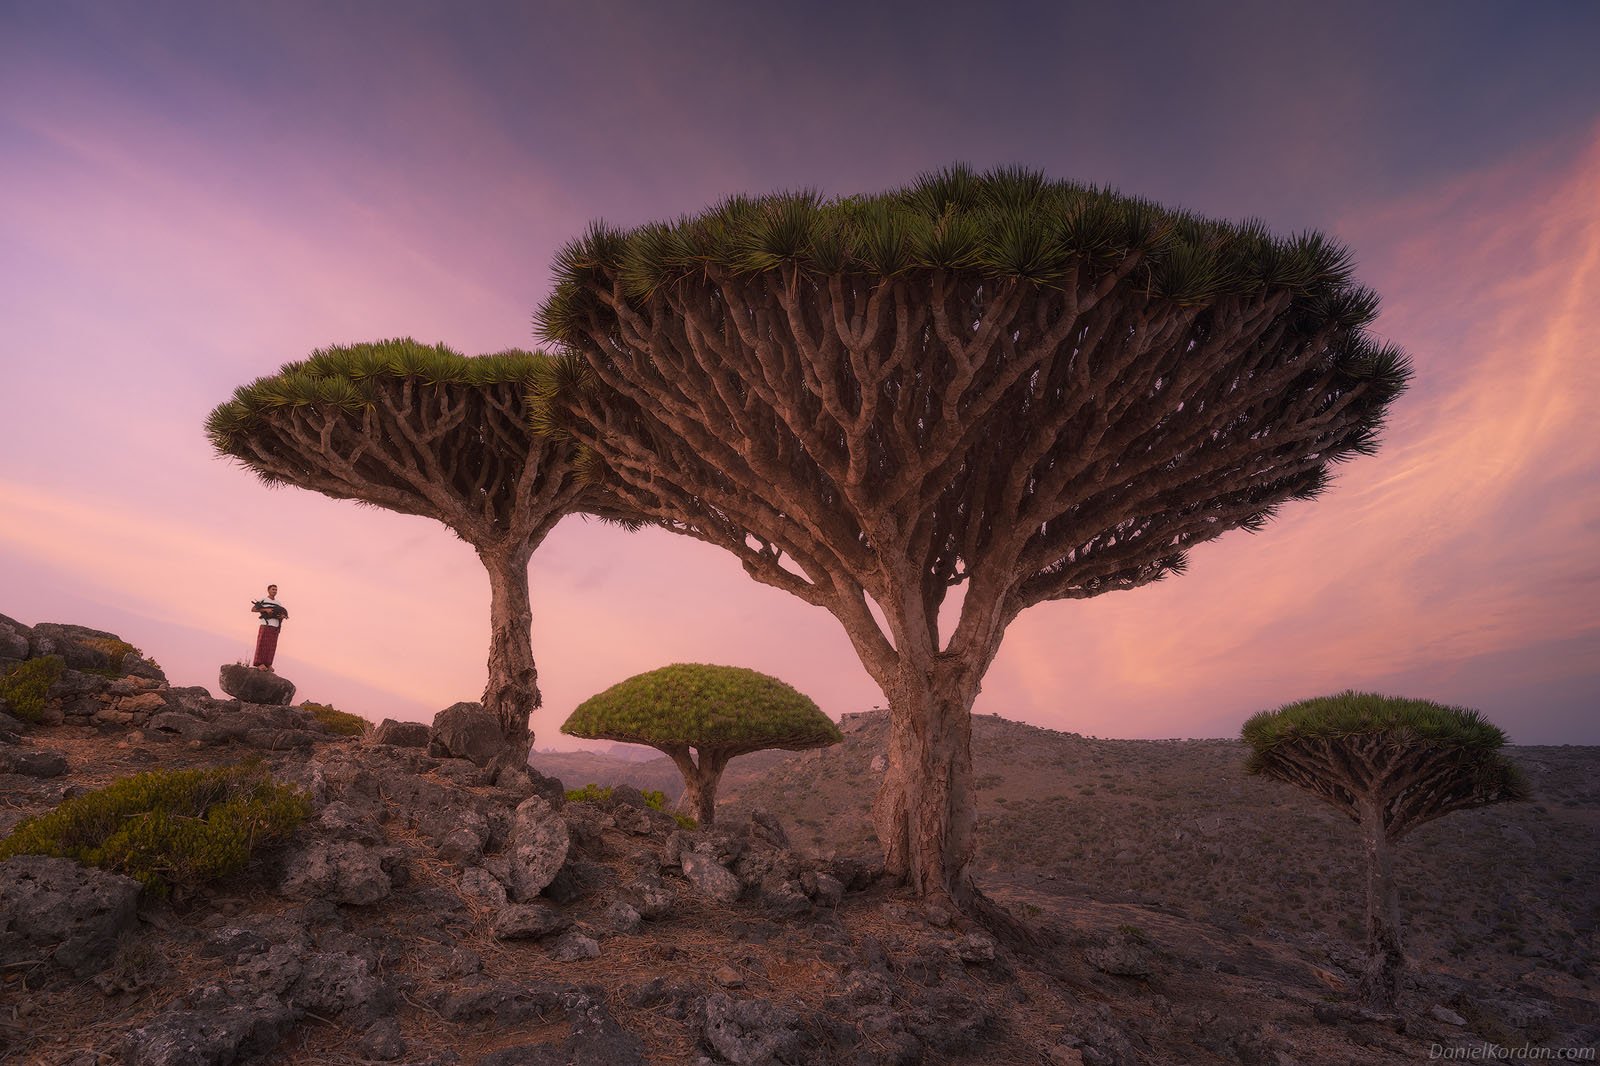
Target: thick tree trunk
point(925, 810)
point(1380, 982)
point(699, 799)
point(512, 692)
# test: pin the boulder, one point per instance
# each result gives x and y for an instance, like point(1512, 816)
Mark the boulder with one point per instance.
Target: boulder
point(751, 1032)
point(538, 849)
point(401, 734)
point(228, 1034)
point(14, 641)
point(67, 641)
point(573, 946)
point(249, 685)
point(528, 921)
point(32, 763)
point(466, 731)
point(59, 909)
point(342, 871)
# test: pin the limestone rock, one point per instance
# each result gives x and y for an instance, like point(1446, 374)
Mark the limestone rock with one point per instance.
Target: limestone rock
point(574, 946)
point(229, 1034)
point(14, 641)
point(401, 734)
point(67, 641)
point(32, 763)
point(342, 871)
point(466, 731)
point(249, 685)
point(539, 843)
point(751, 1032)
point(528, 921)
point(57, 908)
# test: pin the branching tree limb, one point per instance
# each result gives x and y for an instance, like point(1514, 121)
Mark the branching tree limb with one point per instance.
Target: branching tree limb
point(1039, 390)
point(1389, 765)
point(424, 431)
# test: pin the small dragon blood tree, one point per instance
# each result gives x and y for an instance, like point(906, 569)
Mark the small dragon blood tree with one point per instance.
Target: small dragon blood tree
point(692, 711)
point(424, 430)
point(1390, 765)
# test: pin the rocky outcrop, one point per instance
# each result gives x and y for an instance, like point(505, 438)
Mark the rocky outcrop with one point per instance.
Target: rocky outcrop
point(401, 734)
point(15, 640)
point(466, 731)
point(249, 685)
point(64, 911)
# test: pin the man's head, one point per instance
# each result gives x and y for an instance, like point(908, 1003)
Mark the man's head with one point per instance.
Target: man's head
point(272, 592)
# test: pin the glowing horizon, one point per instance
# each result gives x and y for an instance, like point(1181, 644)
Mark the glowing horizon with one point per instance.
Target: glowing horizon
point(181, 222)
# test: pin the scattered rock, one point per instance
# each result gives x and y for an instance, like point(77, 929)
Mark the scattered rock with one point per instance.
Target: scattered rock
point(382, 1041)
point(466, 731)
point(751, 1032)
point(32, 763)
point(342, 871)
point(229, 1034)
point(622, 918)
point(528, 921)
point(538, 848)
point(573, 946)
point(59, 909)
point(1446, 1015)
point(249, 685)
point(401, 734)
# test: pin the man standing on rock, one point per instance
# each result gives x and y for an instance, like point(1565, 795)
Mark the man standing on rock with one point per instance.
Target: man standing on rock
point(272, 615)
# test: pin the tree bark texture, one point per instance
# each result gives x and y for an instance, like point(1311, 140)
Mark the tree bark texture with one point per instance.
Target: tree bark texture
point(856, 441)
point(925, 811)
point(1380, 981)
point(700, 781)
point(512, 690)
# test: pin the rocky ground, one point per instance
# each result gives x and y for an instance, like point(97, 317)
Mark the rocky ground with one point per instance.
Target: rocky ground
point(436, 911)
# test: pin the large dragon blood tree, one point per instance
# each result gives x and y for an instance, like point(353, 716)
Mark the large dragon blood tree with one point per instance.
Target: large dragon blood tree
point(427, 431)
point(1029, 388)
point(1389, 765)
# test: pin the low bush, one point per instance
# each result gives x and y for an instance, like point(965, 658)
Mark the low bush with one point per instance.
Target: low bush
point(167, 829)
point(339, 723)
point(655, 799)
point(115, 650)
point(25, 685)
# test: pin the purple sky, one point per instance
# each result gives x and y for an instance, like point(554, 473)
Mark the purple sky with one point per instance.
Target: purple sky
point(196, 193)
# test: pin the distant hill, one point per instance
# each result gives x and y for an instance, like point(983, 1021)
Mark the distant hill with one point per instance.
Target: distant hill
point(1177, 824)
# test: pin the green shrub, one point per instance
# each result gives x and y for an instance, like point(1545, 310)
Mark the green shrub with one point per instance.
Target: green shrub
point(116, 650)
point(167, 828)
point(339, 723)
point(655, 799)
point(25, 685)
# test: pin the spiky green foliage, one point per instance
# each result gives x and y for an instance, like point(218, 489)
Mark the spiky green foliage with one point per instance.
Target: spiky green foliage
point(1153, 377)
point(427, 431)
point(394, 423)
point(1036, 389)
point(167, 829)
point(26, 685)
point(705, 707)
point(339, 723)
point(1415, 759)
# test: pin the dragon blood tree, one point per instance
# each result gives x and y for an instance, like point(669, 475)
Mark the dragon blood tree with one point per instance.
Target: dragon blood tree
point(1390, 765)
point(701, 717)
point(1029, 388)
point(425, 431)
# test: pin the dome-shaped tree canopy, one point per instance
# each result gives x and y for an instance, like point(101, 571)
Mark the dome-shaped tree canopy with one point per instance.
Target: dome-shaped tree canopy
point(703, 706)
point(424, 430)
point(1033, 389)
point(1389, 764)
point(1351, 713)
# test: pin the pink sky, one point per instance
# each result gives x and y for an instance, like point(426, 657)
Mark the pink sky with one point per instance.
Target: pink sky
point(172, 229)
